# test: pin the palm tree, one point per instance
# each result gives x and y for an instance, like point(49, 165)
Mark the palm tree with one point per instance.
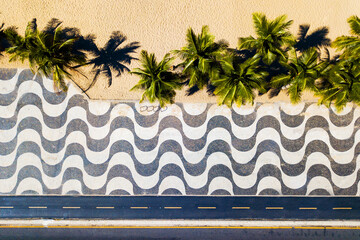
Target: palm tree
point(4, 41)
point(302, 73)
point(49, 53)
point(350, 44)
point(200, 57)
point(273, 37)
point(317, 38)
point(111, 57)
point(21, 46)
point(156, 79)
point(238, 80)
point(344, 80)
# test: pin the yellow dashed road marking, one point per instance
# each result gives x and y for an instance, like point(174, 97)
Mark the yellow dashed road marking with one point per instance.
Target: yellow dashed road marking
point(342, 208)
point(139, 207)
point(274, 208)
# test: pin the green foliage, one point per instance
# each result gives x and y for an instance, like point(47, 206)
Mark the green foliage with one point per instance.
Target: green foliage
point(4, 41)
point(344, 79)
point(350, 45)
point(156, 79)
point(273, 37)
point(49, 53)
point(21, 46)
point(238, 80)
point(200, 56)
point(303, 71)
point(234, 76)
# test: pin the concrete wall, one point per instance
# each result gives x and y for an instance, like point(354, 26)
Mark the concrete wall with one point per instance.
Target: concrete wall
point(160, 25)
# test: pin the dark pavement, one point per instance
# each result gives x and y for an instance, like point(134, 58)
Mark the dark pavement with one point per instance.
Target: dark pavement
point(179, 207)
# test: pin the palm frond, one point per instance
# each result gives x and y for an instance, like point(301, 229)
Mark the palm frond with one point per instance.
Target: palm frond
point(273, 37)
point(156, 79)
point(200, 57)
point(354, 23)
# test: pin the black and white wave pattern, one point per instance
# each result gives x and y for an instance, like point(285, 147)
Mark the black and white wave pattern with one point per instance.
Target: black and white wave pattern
point(66, 144)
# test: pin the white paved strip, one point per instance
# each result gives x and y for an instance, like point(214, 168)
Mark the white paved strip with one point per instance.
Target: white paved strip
point(180, 223)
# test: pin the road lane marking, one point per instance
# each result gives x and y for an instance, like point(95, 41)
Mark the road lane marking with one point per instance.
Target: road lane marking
point(172, 207)
point(7, 207)
point(40, 207)
point(308, 208)
point(70, 207)
point(139, 207)
point(206, 207)
point(342, 208)
point(104, 207)
point(240, 207)
point(274, 208)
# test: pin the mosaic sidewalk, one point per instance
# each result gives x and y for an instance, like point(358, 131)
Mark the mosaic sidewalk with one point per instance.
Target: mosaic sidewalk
point(66, 144)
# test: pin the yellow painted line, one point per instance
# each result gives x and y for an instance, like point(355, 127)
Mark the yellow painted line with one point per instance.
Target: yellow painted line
point(6, 207)
point(71, 207)
point(105, 207)
point(172, 207)
point(308, 208)
point(240, 207)
point(274, 208)
point(194, 227)
point(342, 208)
point(41, 207)
point(311, 227)
point(139, 207)
point(206, 207)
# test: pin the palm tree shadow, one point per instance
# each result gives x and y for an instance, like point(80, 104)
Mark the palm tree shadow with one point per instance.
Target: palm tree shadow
point(194, 89)
point(82, 44)
point(104, 61)
point(110, 58)
point(317, 38)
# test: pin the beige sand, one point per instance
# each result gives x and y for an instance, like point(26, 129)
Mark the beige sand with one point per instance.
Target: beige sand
point(160, 26)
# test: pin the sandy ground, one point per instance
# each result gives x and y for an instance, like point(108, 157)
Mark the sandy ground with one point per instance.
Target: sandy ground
point(160, 26)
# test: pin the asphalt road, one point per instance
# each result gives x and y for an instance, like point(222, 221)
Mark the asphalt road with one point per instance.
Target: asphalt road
point(178, 233)
point(179, 207)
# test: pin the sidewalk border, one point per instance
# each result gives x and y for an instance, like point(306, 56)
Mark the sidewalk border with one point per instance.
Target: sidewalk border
point(257, 224)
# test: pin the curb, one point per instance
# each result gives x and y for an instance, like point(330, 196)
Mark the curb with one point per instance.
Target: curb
point(88, 223)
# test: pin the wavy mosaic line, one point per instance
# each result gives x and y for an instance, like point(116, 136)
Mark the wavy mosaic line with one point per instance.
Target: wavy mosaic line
point(65, 144)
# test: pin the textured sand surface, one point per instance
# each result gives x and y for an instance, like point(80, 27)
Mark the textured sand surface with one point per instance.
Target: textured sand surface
point(160, 26)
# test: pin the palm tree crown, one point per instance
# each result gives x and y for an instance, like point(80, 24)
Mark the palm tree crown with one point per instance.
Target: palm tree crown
point(350, 44)
point(4, 40)
point(200, 56)
point(344, 80)
point(21, 46)
point(302, 73)
point(272, 38)
point(238, 80)
point(156, 79)
point(49, 53)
